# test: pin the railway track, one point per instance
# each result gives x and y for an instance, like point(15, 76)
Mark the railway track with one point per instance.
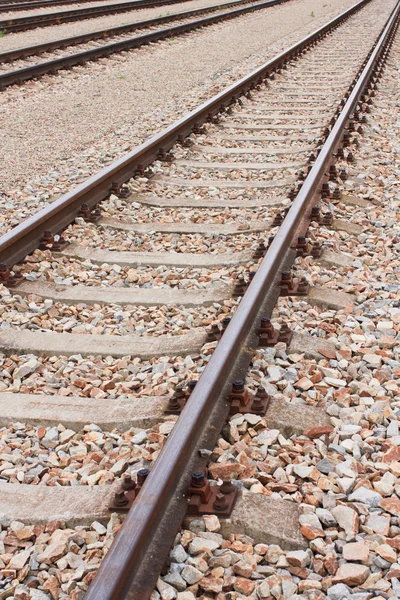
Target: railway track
point(92, 50)
point(15, 24)
point(7, 6)
point(185, 233)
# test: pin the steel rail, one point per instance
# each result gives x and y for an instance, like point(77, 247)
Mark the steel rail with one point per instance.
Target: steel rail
point(13, 25)
point(26, 51)
point(16, 244)
point(149, 526)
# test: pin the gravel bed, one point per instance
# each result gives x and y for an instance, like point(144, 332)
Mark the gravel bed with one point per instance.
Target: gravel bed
point(136, 12)
point(43, 266)
point(134, 212)
point(235, 174)
point(92, 45)
point(42, 35)
point(52, 561)
point(95, 377)
point(112, 239)
point(38, 314)
point(109, 126)
point(55, 456)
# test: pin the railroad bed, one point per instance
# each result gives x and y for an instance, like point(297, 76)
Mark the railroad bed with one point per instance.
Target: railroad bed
point(16, 5)
point(90, 48)
point(13, 24)
point(169, 276)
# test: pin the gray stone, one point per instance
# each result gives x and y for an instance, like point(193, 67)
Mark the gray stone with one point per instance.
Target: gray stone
point(393, 429)
point(179, 554)
point(268, 437)
point(174, 578)
point(26, 369)
point(367, 496)
point(191, 575)
point(325, 466)
point(339, 592)
point(326, 517)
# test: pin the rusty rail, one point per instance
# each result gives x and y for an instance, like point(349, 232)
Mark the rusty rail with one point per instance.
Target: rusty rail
point(65, 62)
point(16, 244)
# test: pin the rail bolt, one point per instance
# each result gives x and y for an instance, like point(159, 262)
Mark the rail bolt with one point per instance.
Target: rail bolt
point(267, 328)
point(285, 334)
point(311, 158)
point(340, 154)
point(4, 272)
point(220, 504)
point(128, 483)
point(325, 192)
point(303, 286)
point(120, 500)
point(260, 251)
point(198, 479)
point(141, 476)
point(337, 194)
point(278, 220)
point(301, 246)
point(190, 386)
point(240, 287)
point(316, 250)
point(315, 214)
point(350, 158)
point(225, 322)
point(214, 333)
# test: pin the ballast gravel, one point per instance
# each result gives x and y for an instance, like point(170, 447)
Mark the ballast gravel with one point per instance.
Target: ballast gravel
point(58, 456)
point(52, 561)
point(43, 266)
point(38, 314)
point(50, 33)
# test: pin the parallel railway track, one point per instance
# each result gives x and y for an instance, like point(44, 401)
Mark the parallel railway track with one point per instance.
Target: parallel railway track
point(7, 6)
point(15, 24)
point(24, 72)
point(286, 129)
